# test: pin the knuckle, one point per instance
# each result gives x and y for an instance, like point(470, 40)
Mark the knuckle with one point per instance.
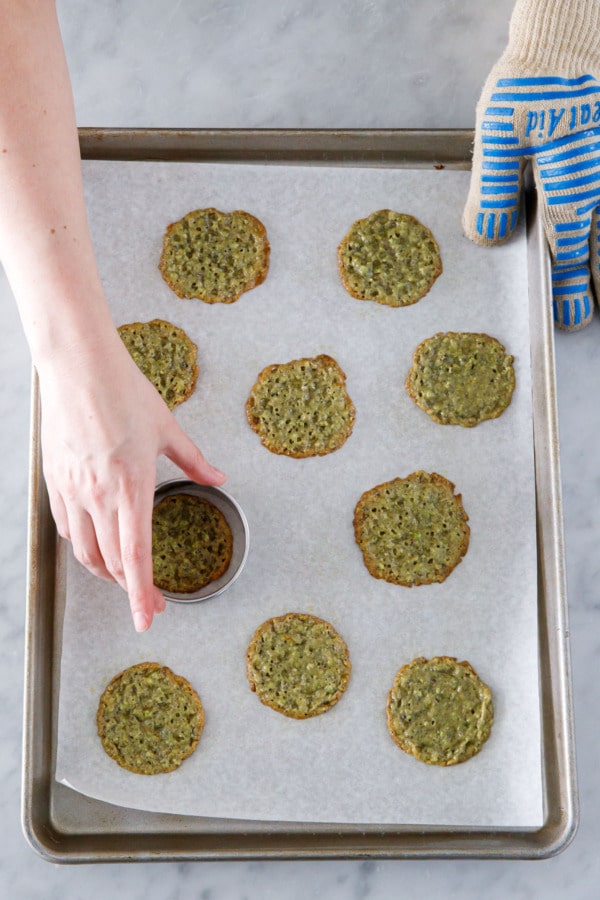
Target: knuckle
point(87, 558)
point(98, 493)
point(70, 492)
point(115, 567)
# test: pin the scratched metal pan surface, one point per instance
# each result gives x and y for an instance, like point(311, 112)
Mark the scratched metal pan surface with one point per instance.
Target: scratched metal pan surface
point(66, 827)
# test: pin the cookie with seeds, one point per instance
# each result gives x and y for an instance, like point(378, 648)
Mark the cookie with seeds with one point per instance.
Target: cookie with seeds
point(301, 408)
point(412, 530)
point(439, 710)
point(461, 378)
point(149, 720)
point(215, 256)
point(390, 258)
point(298, 665)
point(166, 355)
point(192, 543)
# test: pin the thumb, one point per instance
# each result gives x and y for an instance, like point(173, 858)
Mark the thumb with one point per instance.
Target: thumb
point(181, 450)
point(492, 206)
point(491, 211)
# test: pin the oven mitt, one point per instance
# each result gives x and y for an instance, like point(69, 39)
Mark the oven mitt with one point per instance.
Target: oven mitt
point(541, 101)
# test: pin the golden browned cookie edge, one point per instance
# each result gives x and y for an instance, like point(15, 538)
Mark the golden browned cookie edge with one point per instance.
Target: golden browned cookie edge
point(183, 684)
point(305, 617)
point(259, 275)
point(369, 560)
point(408, 748)
point(474, 420)
point(189, 343)
point(358, 295)
point(322, 359)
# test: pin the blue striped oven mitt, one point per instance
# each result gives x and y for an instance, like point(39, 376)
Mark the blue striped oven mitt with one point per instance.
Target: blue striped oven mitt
point(541, 102)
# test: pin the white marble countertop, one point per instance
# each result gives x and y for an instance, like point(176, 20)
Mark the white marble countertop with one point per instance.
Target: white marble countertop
point(287, 63)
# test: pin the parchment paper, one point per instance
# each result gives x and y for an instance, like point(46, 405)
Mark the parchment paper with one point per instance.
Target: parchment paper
point(253, 763)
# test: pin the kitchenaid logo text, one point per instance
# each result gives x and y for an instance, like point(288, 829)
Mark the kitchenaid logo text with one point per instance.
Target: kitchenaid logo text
point(543, 123)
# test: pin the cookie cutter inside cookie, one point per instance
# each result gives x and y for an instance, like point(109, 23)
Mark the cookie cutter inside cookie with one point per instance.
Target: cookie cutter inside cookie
point(239, 530)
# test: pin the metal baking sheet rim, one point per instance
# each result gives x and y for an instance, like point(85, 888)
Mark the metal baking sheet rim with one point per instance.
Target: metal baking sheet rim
point(63, 826)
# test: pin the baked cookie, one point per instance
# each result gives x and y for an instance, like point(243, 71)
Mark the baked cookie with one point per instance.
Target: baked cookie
point(390, 258)
point(166, 356)
point(412, 530)
point(439, 710)
point(215, 256)
point(192, 543)
point(301, 408)
point(149, 719)
point(298, 665)
point(461, 378)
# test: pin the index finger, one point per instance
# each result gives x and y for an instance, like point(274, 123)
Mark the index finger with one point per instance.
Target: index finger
point(135, 538)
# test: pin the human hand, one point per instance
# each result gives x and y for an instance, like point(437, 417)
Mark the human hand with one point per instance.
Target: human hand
point(103, 423)
point(541, 101)
point(103, 426)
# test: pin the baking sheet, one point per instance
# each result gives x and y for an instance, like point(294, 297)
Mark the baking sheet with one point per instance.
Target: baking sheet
point(340, 767)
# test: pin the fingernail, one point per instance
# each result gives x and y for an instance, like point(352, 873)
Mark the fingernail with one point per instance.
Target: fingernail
point(218, 474)
point(140, 621)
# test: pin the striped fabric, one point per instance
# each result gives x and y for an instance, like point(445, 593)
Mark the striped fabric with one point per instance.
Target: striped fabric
point(528, 113)
point(527, 118)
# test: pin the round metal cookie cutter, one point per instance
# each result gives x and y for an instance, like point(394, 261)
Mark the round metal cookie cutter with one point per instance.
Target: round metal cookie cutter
point(239, 530)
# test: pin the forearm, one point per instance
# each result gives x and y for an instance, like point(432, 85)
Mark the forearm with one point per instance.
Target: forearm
point(100, 441)
point(45, 244)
